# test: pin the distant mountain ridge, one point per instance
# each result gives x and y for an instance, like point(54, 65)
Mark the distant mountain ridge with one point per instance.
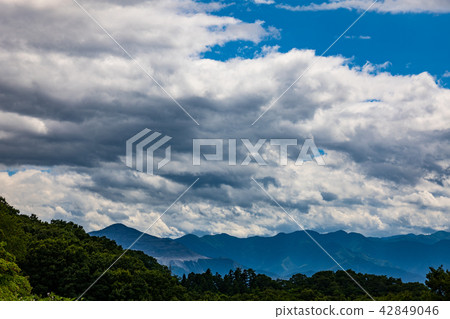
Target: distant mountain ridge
point(404, 256)
point(157, 247)
point(167, 251)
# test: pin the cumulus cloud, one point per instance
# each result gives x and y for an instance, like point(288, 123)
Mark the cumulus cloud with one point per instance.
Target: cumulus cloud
point(63, 193)
point(384, 6)
point(70, 98)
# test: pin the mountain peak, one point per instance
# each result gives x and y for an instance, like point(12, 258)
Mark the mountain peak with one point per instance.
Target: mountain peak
point(117, 226)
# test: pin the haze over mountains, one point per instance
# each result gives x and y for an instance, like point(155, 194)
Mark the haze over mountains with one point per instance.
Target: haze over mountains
point(404, 256)
point(167, 251)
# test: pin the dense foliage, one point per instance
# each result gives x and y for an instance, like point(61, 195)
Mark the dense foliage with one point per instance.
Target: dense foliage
point(61, 258)
point(57, 260)
point(13, 285)
point(324, 285)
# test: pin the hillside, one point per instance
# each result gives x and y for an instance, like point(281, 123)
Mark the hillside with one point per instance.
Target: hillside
point(281, 256)
point(61, 258)
point(171, 253)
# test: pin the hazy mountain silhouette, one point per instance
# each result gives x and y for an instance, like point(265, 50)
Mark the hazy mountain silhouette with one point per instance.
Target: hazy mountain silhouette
point(404, 256)
point(167, 251)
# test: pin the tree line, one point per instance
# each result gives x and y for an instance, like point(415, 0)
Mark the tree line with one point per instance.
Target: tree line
point(58, 260)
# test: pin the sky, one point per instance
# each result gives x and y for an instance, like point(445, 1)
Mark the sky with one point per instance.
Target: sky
point(377, 104)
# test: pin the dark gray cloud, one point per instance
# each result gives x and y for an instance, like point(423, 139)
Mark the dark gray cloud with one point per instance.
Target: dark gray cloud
point(329, 197)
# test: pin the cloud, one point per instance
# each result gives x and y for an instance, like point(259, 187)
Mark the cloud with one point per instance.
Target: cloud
point(66, 194)
point(69, 101)
point(264, 1)
point(383, 6)
point(12, 124)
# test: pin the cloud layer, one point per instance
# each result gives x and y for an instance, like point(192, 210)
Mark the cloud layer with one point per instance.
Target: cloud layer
point(70, 98)
point(384, 6)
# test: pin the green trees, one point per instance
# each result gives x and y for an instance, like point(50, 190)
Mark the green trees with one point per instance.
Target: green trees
point(11, 230)
point(13, 286)
point(135, 276)
point(324, 285)
point(61, 258)
point(438, 280)
point(56, 265)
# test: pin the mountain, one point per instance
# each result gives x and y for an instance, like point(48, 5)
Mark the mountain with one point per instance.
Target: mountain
point(167, 251)
point(404, 256)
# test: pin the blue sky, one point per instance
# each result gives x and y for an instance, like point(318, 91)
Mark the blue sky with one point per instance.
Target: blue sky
point(412, 42)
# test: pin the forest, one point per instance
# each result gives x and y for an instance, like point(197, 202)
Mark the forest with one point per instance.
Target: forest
point(58, 260)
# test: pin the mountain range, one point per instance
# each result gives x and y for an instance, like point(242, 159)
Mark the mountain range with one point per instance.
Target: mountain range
point(404, 256)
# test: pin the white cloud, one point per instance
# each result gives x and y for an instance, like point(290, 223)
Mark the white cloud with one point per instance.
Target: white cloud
point(263, 1)
point(12, 124)
point(64, 194)
point(162, 35)
point(391, 6)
